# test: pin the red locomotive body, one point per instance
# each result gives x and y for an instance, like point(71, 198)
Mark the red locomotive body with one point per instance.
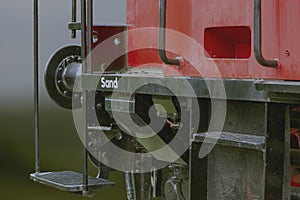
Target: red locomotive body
point(225, 30)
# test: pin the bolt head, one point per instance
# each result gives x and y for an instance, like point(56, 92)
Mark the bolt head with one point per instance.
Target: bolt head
point(117, 41)
point(287, 53)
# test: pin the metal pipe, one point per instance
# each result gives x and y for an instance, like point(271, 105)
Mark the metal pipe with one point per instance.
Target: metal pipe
point(74, 17)
point(83, 35)
point(83, 55)
point(129, 186)
point(86, 20)
point(36, 84)
point(89, 24)
point(257, 38)
point(85, 185)
point(162, 36)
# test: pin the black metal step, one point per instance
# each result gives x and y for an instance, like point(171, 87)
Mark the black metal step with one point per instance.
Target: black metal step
point(232, 139)
point(69, 181)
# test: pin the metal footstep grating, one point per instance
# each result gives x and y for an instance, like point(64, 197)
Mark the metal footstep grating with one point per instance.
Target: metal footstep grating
point(69, 181)
point(232, 139)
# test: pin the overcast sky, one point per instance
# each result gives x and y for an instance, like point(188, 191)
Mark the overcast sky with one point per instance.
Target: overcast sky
point(16, 36)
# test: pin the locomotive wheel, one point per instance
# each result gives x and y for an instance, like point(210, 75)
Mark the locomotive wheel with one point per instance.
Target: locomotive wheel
point(60, 75)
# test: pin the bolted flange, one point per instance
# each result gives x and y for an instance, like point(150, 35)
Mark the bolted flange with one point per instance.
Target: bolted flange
point(61, 72)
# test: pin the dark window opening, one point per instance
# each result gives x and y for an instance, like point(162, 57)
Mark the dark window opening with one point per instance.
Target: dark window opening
point(228, 42)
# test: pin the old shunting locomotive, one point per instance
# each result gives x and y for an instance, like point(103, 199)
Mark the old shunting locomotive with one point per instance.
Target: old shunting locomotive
point(193, 99)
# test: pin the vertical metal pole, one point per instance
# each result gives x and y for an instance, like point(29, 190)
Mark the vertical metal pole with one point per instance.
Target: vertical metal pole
point(85, 188)
point(84, 53)
point(86, 46)
point(36, 84)
point(74, 17)
point(89, 22)
point(129, 180)
point(83, 34)
point(86, 32)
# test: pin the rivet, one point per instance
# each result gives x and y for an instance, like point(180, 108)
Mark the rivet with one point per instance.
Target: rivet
point(99, 105)
point(287, 53)
point(117, 41)
point(95, 38)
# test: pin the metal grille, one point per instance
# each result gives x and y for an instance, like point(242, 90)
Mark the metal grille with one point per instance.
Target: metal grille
point(69, 181)
point(233, 139)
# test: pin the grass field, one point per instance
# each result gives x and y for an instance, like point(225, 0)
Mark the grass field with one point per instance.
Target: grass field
point(60, 150)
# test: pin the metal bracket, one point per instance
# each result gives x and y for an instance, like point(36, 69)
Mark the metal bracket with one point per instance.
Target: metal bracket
point(74, 26)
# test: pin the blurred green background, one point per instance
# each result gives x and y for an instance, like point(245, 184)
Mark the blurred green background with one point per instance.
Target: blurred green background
point(60, 150)
point(60, 145)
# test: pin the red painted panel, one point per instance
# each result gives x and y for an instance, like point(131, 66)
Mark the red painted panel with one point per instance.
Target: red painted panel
point(289, 39)
point(280, 38)
point(112, 52)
